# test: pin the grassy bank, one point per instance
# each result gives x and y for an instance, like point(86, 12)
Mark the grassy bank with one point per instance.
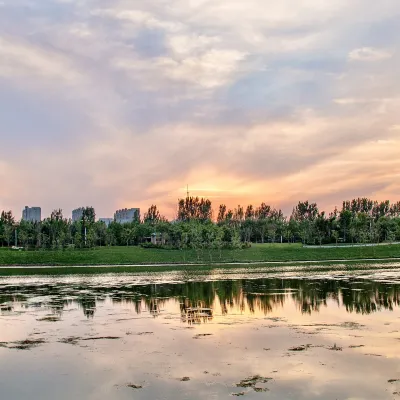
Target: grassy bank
point(138, 255)
point(189, 271)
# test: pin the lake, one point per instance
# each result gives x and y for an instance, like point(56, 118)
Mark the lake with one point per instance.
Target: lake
point(214, 334)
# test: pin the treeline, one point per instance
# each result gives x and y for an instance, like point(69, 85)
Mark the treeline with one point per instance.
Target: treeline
point(359, 221)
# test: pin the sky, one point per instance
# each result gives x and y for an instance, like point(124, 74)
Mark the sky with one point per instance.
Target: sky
point(123, 103)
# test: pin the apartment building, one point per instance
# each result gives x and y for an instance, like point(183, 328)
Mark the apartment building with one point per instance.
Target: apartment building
point(127, 215)
point(33, 214)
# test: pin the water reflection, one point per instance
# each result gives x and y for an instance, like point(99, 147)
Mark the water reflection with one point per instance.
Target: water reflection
point(200, 300)
point(118, 337)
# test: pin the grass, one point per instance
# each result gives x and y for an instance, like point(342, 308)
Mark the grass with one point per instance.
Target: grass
point(195, 270)
point(138, 255)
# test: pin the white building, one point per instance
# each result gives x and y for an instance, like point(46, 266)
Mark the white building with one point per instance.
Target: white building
point(107, 221)
point(126, 215)
point(77, 214)
point(33, 214)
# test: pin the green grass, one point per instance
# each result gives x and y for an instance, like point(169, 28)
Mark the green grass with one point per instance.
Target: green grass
point(138, 255)
point(193, 270)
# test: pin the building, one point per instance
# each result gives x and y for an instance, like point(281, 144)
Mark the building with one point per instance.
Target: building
point(126, 215)
point(107, 221)
point(158, 239)
point(77, 214)
point(33, 214)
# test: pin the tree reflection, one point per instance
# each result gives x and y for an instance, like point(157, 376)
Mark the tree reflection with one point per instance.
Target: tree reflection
point(199, 301)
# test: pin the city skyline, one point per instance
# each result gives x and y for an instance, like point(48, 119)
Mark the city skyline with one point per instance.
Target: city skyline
point(122, 104)
point(123, 215)
point(128, 214)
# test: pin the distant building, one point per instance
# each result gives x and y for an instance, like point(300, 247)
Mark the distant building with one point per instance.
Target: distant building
point(126, 215)
point(107, 221)
point(33, 214)
point(77, 214)
point(158, 239)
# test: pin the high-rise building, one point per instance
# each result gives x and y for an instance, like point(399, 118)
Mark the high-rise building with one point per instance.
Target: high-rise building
point(107, 221)
point(77, 214)
point(126, 215)
point(33, 214)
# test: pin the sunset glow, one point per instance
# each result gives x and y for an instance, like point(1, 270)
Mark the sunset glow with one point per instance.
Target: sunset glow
point(124, 103)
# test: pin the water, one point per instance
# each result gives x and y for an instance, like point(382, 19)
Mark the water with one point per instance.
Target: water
point(211, 335)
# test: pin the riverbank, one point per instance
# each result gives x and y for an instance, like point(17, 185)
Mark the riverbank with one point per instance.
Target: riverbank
point(258, 253)
point(193, 270)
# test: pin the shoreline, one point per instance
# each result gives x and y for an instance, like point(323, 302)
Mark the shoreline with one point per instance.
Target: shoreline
point(204, 264)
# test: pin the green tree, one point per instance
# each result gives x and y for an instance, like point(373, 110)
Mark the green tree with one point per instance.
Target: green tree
point(153, 216)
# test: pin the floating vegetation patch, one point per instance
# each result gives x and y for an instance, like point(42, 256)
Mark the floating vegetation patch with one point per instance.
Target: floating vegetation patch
point(335, 348)
point(300, 348)
point(258, 389)
point(75, 339)
point(351, 325)
point(102, 338)
point(133, 386)
point(200, 335)
point(50, 318)
point(70, 340)
point(23, 344)
point(253, 381)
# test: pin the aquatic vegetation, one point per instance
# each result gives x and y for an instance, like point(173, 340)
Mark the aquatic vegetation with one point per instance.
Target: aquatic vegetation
point(133, 386)
point(253, 381)
point(299, 348)
point(26, 344)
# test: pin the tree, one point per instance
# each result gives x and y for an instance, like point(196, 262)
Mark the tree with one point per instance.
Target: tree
point(344, 222)
point(248, 226)
point(152, 216)
point(360, 220)
point(88, 219)
point(101, 232)
point(221, 213)
point(128, 235)
point(263, 211)
point(7, 218)
point(305, 213)
point(249, 214)
point(194, 208)
point(8, 234)
point(335, 235)
point(261, 227)
point(7, 223)
point(321, 227)
point(88, 216)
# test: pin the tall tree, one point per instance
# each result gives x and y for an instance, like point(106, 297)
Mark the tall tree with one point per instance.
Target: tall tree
point(152, 216)
point(221, 213)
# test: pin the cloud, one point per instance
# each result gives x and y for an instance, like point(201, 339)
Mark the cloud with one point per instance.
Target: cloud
point(352, 101)
point(124, 103)
point(139, 18)
point(18, 58)
point(369, 54)
point(208, 70)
